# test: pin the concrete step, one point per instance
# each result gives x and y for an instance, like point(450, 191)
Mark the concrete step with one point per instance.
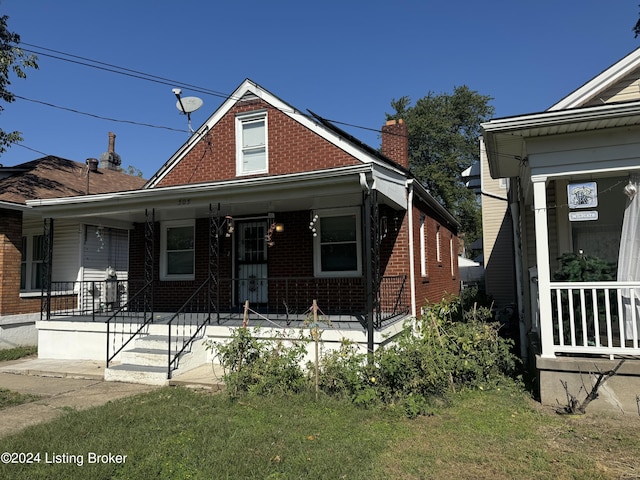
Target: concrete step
point(144, 374)
point(157, 342)
point(145, 356)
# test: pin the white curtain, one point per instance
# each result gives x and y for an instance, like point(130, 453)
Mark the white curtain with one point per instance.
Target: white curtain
point(629, 256)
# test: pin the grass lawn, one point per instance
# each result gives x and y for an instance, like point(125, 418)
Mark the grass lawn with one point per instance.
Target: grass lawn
point(176, 433)
point(16, 353)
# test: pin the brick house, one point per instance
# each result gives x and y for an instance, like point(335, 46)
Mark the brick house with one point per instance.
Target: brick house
point(269, 208)
point(22, 241)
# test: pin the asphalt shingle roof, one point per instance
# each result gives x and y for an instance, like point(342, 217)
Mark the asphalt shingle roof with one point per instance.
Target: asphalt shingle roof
point(53, 177)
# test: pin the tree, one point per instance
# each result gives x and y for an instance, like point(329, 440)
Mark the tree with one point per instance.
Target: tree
point(12, 59)
point(444, 132)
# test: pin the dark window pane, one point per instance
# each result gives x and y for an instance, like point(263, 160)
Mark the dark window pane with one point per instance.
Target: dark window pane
point(179, 263)
point(339, 257)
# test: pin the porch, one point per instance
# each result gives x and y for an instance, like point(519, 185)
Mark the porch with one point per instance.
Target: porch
point(141, 344)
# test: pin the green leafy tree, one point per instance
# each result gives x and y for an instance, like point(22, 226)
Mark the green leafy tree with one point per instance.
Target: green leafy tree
point(444, 131)
point(12, 59)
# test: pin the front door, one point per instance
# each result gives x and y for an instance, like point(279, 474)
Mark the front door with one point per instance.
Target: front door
point(251, 261)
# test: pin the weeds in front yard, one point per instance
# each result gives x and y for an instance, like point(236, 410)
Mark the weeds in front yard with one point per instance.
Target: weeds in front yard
point(17, 352)
point(447, 350)
point(11, 399)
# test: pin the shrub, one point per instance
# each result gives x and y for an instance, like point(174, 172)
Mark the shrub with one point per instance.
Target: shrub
point(261, 366)
point(446, 350)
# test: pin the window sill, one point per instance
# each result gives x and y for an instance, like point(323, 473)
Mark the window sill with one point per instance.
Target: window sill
point(38, 294)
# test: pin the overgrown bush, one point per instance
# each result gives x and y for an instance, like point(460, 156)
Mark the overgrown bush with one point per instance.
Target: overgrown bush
point(261, 366)
point(445, 350)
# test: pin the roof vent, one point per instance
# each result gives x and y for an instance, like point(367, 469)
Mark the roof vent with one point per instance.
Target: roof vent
point(110, 159)
point(93, 164)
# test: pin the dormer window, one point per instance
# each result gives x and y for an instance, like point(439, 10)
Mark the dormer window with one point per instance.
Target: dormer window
point(251, 143)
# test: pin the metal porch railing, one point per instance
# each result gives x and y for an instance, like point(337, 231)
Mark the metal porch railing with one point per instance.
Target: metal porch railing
point(188, 322)
point(128, 321)
point(87, 298)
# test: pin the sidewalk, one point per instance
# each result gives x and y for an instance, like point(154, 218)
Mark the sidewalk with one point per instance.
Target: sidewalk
point(74, 384)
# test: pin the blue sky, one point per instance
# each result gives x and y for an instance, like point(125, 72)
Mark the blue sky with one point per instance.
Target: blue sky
point(343, 59)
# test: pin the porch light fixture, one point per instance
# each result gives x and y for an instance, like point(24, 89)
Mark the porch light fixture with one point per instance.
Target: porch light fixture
point(274, 227)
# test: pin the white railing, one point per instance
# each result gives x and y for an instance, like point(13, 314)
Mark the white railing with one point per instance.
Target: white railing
point(594, 318)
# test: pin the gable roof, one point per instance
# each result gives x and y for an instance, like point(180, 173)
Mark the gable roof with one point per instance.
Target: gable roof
point(52, 177)
point(611, 99)
point(621, 74)
point(313, 122)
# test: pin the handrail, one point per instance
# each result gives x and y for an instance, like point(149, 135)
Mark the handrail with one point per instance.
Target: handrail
point(193, 301)
point(131, 334)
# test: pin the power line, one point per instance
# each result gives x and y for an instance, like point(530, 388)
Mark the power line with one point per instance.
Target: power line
point(145, 76)
point(131, 122)
point(120, 70)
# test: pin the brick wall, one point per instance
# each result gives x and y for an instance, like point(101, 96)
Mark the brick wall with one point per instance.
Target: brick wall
point(439, 281)
point(10, 260)
point(292, 148)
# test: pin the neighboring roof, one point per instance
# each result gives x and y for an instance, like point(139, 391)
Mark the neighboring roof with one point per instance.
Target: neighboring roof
point(53, 177)
point(600, 83)
point(595, 105)
point(316, 124)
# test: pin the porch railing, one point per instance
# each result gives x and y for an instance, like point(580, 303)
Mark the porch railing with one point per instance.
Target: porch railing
point(87, 298)
point(188, 322)
point(595, 318)
point(394, 299)
point(128, 321)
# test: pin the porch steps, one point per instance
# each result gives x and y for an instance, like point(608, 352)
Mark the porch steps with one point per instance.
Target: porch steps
point(147, 362)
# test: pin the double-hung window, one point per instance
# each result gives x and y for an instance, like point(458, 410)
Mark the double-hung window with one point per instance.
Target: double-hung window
point(32, 263)
point(337, 243)
point(251, 143)
point(178, 251)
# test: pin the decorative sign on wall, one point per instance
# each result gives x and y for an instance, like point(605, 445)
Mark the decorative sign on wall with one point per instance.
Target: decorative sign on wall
point(583, 216)
point(582, 195)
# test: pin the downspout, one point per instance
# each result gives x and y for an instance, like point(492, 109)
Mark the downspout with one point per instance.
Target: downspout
point(515, 222)
point(367, 184)
point(412, 267)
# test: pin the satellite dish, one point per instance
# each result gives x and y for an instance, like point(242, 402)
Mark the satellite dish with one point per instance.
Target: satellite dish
point(188, 104)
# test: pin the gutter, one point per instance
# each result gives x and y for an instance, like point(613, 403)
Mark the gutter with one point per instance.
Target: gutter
point(203, 191)
point(13, 206)
point(433, 203)
point(554, 118)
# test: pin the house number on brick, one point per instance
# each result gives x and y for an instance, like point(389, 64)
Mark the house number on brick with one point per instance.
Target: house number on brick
point(184, 201)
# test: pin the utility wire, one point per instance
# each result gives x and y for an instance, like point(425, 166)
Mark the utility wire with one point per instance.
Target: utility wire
point(100, 117)
point(148, 77)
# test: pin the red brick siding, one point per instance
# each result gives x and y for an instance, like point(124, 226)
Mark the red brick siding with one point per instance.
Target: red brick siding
point(439, 281)
point(292, 148)
point(10, 260)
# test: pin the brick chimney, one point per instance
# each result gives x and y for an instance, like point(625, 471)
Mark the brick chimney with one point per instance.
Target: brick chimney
point(110, 159)
point(395, 142)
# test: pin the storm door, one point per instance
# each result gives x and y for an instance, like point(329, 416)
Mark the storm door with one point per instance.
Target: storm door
point(251, 262)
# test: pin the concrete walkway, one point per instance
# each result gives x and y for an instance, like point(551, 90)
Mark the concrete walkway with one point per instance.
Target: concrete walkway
point(63, 384)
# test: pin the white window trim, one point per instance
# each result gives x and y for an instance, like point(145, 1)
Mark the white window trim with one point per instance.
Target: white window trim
point(29, 234)
point(423, 245)
point(240, 121)
point(317, 260)
point(438, 250)
point(451, 255)
point(163, 249)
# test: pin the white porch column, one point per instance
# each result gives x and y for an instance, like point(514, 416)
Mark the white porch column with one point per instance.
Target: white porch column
point(542, 260)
